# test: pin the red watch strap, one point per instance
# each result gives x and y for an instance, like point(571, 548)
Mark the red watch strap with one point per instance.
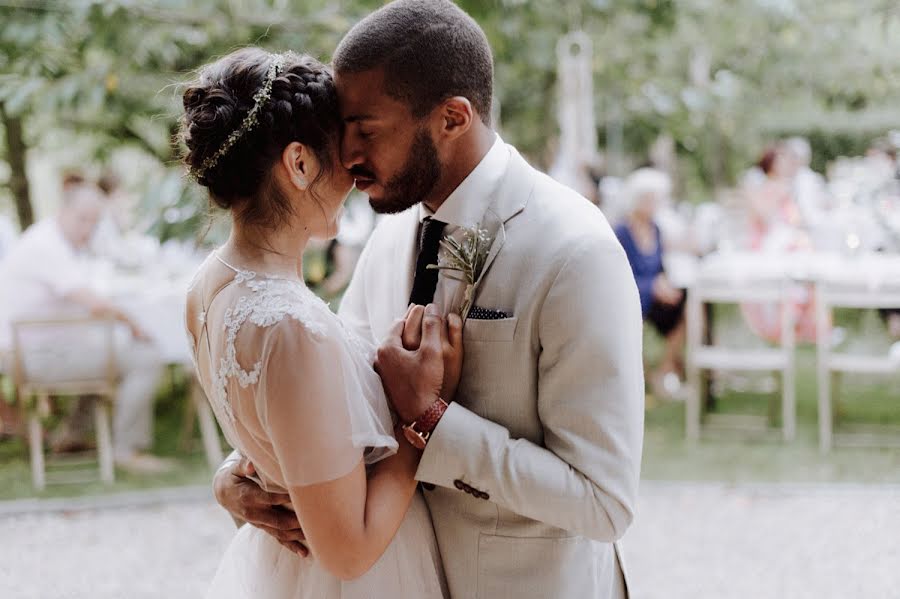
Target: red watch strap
point(430, 418)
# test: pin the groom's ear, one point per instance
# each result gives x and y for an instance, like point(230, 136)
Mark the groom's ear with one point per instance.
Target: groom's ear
point(457, 116)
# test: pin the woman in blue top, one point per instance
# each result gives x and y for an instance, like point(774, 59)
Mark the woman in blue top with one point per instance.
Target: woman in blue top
point(662, 304)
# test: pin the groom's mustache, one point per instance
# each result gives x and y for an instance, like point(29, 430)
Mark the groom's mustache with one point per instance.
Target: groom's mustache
point(359, 172)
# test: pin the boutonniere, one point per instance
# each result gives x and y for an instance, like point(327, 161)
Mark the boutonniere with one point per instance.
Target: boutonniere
point(464, 259)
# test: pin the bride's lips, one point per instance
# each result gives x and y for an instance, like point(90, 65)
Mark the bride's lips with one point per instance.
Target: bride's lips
point(363, 184)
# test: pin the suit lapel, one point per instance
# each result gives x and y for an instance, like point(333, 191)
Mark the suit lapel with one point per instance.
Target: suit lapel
point(508, 200)
point(511, 198)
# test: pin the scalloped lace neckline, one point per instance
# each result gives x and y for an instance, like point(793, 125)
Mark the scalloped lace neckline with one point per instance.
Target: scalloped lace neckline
point(248, 275)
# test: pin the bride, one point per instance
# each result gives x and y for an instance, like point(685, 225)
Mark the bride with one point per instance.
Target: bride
point(293, 389)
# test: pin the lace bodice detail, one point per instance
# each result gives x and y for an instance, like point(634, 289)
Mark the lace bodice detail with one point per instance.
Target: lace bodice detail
point(270, 301)
point(270, 352)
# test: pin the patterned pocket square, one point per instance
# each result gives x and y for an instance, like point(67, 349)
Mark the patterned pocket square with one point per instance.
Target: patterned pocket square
point(478, 313)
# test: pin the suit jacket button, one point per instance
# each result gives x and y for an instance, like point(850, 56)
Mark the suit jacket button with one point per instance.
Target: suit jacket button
point(484, 495)
point(459, 484)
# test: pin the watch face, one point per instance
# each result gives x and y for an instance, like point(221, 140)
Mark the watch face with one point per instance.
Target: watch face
point(414, 438)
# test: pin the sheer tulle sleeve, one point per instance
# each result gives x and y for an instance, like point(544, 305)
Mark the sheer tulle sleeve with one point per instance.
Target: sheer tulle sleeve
point(321, 405)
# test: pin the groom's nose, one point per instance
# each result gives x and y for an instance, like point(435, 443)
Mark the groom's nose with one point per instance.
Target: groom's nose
point(351, 154)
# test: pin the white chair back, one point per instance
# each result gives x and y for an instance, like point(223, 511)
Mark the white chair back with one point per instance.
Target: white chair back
point(861, 291)
point(42, 356)
point(738, 279)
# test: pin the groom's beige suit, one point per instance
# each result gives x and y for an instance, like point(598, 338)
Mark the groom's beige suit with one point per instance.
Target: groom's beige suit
point(536, 463)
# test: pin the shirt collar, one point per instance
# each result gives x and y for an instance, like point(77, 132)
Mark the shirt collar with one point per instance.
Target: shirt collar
point(465, 207)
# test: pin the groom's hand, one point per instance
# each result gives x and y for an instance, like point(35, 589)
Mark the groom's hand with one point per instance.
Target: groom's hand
point(451, 343)
point(412, 378)
point(247, 502)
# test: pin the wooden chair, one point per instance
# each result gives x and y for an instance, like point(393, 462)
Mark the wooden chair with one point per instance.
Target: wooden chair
point(30, 384)
point(705, 358)
point(830, 365)
point(198, 410)
point(6, 360)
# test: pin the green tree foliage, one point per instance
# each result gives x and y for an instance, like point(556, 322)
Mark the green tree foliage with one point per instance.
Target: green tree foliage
point(721, 78)
point(109, 71)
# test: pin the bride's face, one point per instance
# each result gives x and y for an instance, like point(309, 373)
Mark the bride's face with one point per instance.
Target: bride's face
point(332, 192)
point(326, 199)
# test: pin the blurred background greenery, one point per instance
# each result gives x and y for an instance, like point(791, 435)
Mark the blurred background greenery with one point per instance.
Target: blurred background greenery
point(88, 82)
point(89, 78)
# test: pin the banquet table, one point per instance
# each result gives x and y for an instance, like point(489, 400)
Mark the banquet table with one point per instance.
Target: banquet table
point(865, 271)
point(855, 280)
point(157, 306)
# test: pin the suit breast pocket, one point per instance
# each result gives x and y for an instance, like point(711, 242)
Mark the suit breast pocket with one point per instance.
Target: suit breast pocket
point(487, 331)
point(528, 568)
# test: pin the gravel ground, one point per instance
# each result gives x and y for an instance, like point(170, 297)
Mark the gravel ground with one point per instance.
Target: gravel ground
point(765, 541)
point(692, 541)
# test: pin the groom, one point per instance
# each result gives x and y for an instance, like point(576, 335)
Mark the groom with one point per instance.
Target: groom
point(531, 474)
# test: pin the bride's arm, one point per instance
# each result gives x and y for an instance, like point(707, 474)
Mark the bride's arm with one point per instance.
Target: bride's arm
point(348, 522)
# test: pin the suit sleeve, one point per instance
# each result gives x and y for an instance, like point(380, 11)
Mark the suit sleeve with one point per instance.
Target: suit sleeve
point(584, 477)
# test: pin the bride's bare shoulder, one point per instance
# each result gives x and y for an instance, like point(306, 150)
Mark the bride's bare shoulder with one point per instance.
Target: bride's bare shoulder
point(210, 277)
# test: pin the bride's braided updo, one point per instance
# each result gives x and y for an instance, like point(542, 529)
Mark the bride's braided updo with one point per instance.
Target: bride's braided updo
point(302, 107)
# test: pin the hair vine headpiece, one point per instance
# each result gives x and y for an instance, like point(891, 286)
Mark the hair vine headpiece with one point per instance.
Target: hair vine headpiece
point(250, 121)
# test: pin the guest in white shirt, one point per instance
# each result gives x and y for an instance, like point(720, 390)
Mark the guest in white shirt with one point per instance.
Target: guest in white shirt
point(45, 276)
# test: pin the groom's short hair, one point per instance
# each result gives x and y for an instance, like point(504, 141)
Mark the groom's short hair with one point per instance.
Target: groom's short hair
point(430, 50)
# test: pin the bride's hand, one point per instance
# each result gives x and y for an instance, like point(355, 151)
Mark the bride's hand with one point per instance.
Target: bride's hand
point(451, 345)
point(413, 378)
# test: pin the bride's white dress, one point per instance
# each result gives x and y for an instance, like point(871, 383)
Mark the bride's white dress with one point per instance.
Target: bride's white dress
point(294, 391)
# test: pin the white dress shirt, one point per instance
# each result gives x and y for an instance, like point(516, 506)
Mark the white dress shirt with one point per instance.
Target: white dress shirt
point(465, 207)
point(39, 272)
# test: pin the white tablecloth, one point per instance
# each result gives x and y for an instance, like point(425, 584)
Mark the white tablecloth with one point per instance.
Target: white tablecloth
point(154, 297)
point(160, 313)
point(867, 270)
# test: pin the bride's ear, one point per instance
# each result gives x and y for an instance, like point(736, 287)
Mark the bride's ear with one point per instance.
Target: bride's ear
point(300, 165)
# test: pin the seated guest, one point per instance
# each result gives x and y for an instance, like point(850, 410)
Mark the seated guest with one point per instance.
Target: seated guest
point(777, 227)
point(45, 277)
point(645, 191)
point(775, 217)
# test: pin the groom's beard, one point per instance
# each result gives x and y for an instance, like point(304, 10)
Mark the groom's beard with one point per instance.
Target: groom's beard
point(416, 179)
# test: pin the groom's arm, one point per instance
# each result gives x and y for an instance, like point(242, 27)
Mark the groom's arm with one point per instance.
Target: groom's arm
point(590, 401)
point(248, 503)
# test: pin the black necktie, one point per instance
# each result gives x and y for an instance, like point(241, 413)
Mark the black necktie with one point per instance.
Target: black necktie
point(426, 278)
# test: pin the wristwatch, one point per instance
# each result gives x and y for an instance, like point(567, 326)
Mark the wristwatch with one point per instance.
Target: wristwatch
point(419, 430)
